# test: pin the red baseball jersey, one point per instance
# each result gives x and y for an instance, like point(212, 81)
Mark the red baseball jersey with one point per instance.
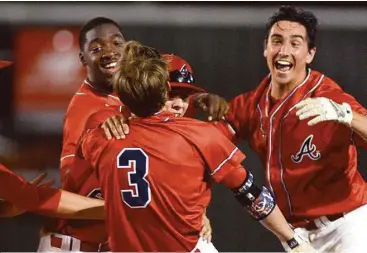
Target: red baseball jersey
point(19, 192)
point(311, 169)
point(77, 175)
point(154, 180)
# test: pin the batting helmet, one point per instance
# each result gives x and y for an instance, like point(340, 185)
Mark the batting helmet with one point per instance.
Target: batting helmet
point(181, 74)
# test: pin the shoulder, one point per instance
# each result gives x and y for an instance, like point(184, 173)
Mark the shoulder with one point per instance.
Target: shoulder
point(329, 88)
point(101, 115)
point(83, 102)
point(81, 107)
point(322, 82)
point(242, 98)
point(197, 130)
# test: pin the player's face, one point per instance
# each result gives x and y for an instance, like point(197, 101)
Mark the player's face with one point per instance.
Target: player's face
point(287, 53)
point(102, 52)
point(177, 105)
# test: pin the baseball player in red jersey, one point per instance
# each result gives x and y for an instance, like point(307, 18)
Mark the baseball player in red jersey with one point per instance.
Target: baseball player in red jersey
point(17, 195)
point(182, 82)
point(310, 166)
point(152, 191)
point(101, 40)
point(46, 200)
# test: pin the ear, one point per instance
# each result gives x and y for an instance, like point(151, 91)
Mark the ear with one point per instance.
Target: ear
point(310, 55)
point(82, 59)
point(265, 53)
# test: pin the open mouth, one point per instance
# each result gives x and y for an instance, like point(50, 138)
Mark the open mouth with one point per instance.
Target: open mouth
point(283, 66)
point(109, 66)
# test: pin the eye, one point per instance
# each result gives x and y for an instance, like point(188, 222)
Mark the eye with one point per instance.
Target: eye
point(296, 44)
point(96, 49)
point(276, 41)
point(118, 43)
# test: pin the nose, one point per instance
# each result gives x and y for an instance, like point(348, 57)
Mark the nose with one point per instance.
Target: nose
point(109, 55)
point(285, 49)
point(110, 52)
point(177, 104)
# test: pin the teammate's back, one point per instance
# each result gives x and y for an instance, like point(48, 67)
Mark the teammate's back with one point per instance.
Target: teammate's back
point(155, 192)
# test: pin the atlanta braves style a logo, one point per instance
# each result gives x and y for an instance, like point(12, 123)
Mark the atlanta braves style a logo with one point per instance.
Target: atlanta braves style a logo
point(184, 72)
point(308, 149)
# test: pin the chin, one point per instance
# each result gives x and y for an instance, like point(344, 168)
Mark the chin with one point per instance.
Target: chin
point(283, 78)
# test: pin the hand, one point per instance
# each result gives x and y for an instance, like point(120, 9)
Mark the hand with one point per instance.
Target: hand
point(39, 180)
point(7, 209)
point(215, 105)
point(324, 109)
point(116, 126)
point(305, 247)
point(206, 231)
point(298, 244)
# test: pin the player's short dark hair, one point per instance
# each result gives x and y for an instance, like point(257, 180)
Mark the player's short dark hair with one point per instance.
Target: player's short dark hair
point(141, 80)
point(294, 14)
point(91, 24)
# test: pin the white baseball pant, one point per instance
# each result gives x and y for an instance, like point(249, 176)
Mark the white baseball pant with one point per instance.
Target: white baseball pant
point(346, 234)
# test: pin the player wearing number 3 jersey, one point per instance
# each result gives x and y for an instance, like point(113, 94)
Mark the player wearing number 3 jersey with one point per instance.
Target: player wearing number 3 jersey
point(153, 180)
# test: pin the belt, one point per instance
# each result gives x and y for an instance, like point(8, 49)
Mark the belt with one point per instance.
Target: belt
point(57, 242)
point(323, 221)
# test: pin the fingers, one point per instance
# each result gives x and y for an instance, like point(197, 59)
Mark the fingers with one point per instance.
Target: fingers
point(217, 107)
point(206, 231)
point(305, 108)
point(309, 114)
point(125, 126)
point(115, 126)
point(39, 178)
point(202, 106)
point(315, 120)
point(201, 102)
point(213, 104)
point(207, 235)
point(223, 109)
point(308, 101)
point(106, 130)
point(48, 183)
point(305, 248)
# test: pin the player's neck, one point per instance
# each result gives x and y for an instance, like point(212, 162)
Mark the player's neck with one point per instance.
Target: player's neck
point(101, 87)
point(280, 90)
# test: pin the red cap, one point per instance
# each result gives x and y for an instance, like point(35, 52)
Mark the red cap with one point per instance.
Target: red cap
point(4, 64)
point(181, 74)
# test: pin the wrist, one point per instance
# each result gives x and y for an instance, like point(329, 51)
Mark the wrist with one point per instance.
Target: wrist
point(286, 237)
point(292, 242)
point(348, 118)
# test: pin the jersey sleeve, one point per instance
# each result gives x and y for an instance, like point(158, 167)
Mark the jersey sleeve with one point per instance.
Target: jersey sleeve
point(335, 93)
point(237, 118)
point(80, 108)
point(25, 195)
point(219, 154)
point(93, 141)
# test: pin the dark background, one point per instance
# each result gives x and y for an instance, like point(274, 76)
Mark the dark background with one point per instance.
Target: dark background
point(222, 41)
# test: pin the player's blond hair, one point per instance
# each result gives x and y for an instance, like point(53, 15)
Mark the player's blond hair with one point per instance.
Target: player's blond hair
point(141, 80)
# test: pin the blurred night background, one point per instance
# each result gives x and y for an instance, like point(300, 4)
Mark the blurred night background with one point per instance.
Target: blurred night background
point(223, 42)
